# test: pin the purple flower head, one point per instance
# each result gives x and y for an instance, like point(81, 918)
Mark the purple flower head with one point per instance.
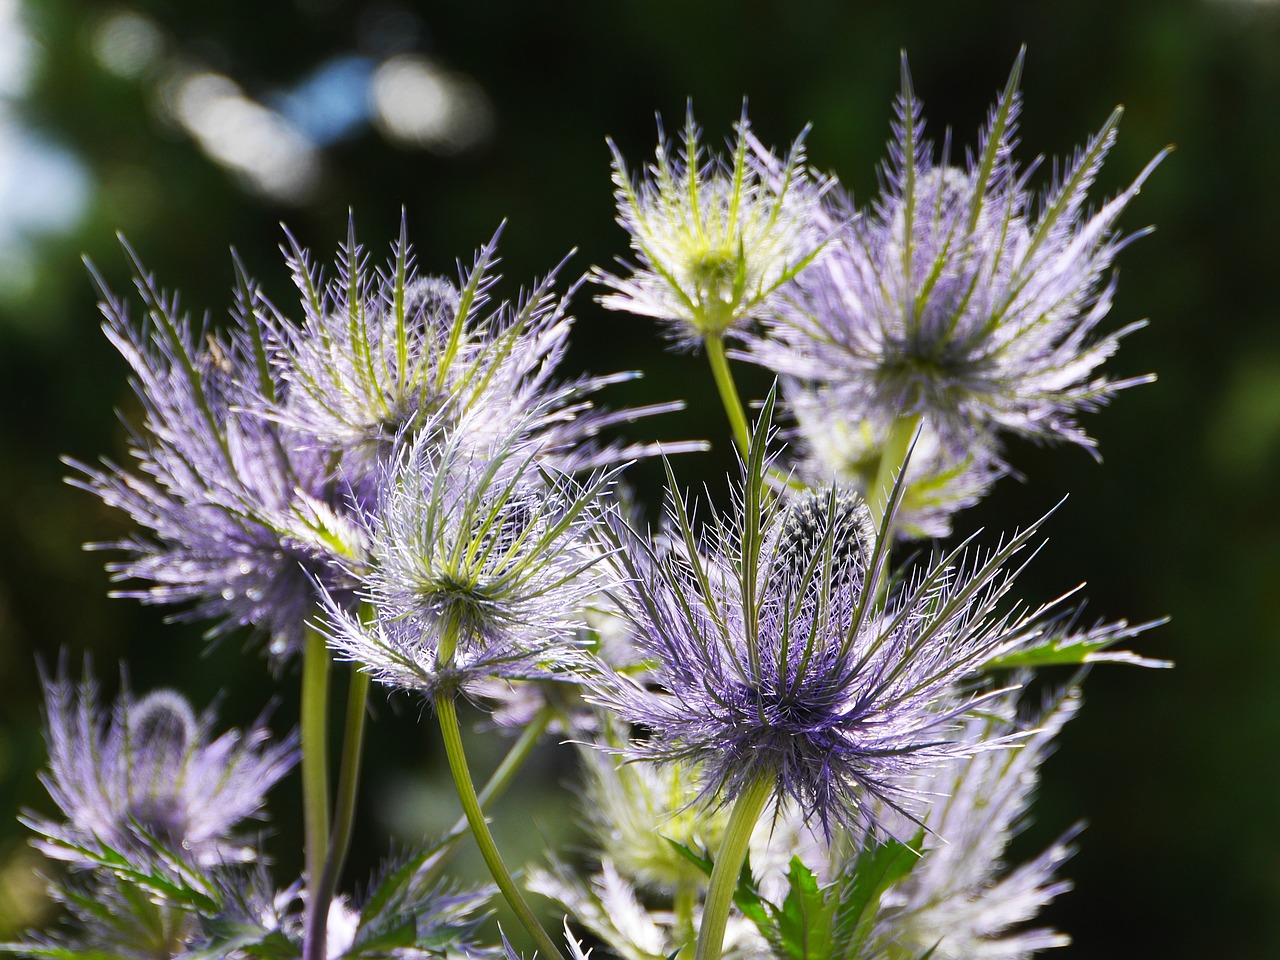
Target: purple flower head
point(717, 241)
point(962, 297)
point(480, 565)
point(782, 653)
point(382, 354)
point(229, 501)
point(961, 900)
point(150, 769)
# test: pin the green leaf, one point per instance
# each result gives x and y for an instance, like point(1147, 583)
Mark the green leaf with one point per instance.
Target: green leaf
point(1077, 649)
point(803, 926)
point(875, 870)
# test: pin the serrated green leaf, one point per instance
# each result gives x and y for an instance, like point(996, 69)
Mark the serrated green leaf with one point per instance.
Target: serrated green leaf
point(803, 924)
point(1054, 653)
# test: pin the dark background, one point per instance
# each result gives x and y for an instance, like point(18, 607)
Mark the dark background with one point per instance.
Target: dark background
point(1176, 772)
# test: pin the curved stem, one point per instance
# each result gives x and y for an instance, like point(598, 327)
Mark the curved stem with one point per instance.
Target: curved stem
point(498, 781)
point(728, 392)
point(321, 895)
point(448, 715)
point(315, 751)
point(724, 875)
point(893, 456)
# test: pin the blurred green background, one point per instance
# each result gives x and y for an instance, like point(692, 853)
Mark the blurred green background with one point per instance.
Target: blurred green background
point(193, 127)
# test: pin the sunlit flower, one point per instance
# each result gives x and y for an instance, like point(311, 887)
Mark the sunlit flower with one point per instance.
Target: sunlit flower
point(149, 770)
point(962, 297)
point(782, 655)
point(231, 503)
point(716, 241)
point(381, 354)
point(481, 565)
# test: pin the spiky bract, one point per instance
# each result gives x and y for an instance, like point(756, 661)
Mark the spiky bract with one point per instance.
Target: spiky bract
point(716, 240)
point(960, 296)
point(229, 501)
point(148, 771)
point(787, 657)
point(481, 565)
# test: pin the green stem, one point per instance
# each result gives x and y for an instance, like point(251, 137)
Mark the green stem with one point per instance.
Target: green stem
point(685, 900)
point(315, 751)
point(724, 875)
point(448, 715)
point(498, 781)
point(321, 895)
point(728, 392)
point(893, 455)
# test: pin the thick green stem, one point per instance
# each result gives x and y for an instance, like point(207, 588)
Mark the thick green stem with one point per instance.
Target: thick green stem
point(724, 875)
point(448, 715)
point(893, 455)
point(321, 894)
point(728, 392)
point(315, 751)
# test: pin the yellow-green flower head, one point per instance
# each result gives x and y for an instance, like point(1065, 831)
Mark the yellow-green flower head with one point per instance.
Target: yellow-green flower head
point(716, 240)
point(636, 811)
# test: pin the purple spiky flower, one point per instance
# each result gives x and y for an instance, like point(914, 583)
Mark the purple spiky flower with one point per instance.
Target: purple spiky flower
point(262, 447)
point(481, 564)
point(232, 504)
point(962, 297)
point(782, 653)
point(381, 354)
point(150, 770)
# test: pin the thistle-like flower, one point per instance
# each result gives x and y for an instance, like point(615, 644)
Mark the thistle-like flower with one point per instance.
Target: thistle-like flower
point(234, 505)
point(960, 901)
point(481, 565)
point(960, 297)
point(148, 771)
point(716, 241)
point(383, 354)
point(783, 658)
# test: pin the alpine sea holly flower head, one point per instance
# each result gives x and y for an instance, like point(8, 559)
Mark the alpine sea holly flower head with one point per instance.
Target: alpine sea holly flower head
point(962, 297)
point(481, 564)
point(382, 353)
point(149, 770)
point(242, 515)
point(961, 900)
point(783, 659)
point(716, 241)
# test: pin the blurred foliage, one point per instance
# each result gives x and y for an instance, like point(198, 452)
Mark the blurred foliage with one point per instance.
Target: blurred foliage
point(1175, 771)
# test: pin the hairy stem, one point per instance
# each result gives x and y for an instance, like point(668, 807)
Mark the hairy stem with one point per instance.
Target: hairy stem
point(724, 875)
point(448, 715)
point(728, 392)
